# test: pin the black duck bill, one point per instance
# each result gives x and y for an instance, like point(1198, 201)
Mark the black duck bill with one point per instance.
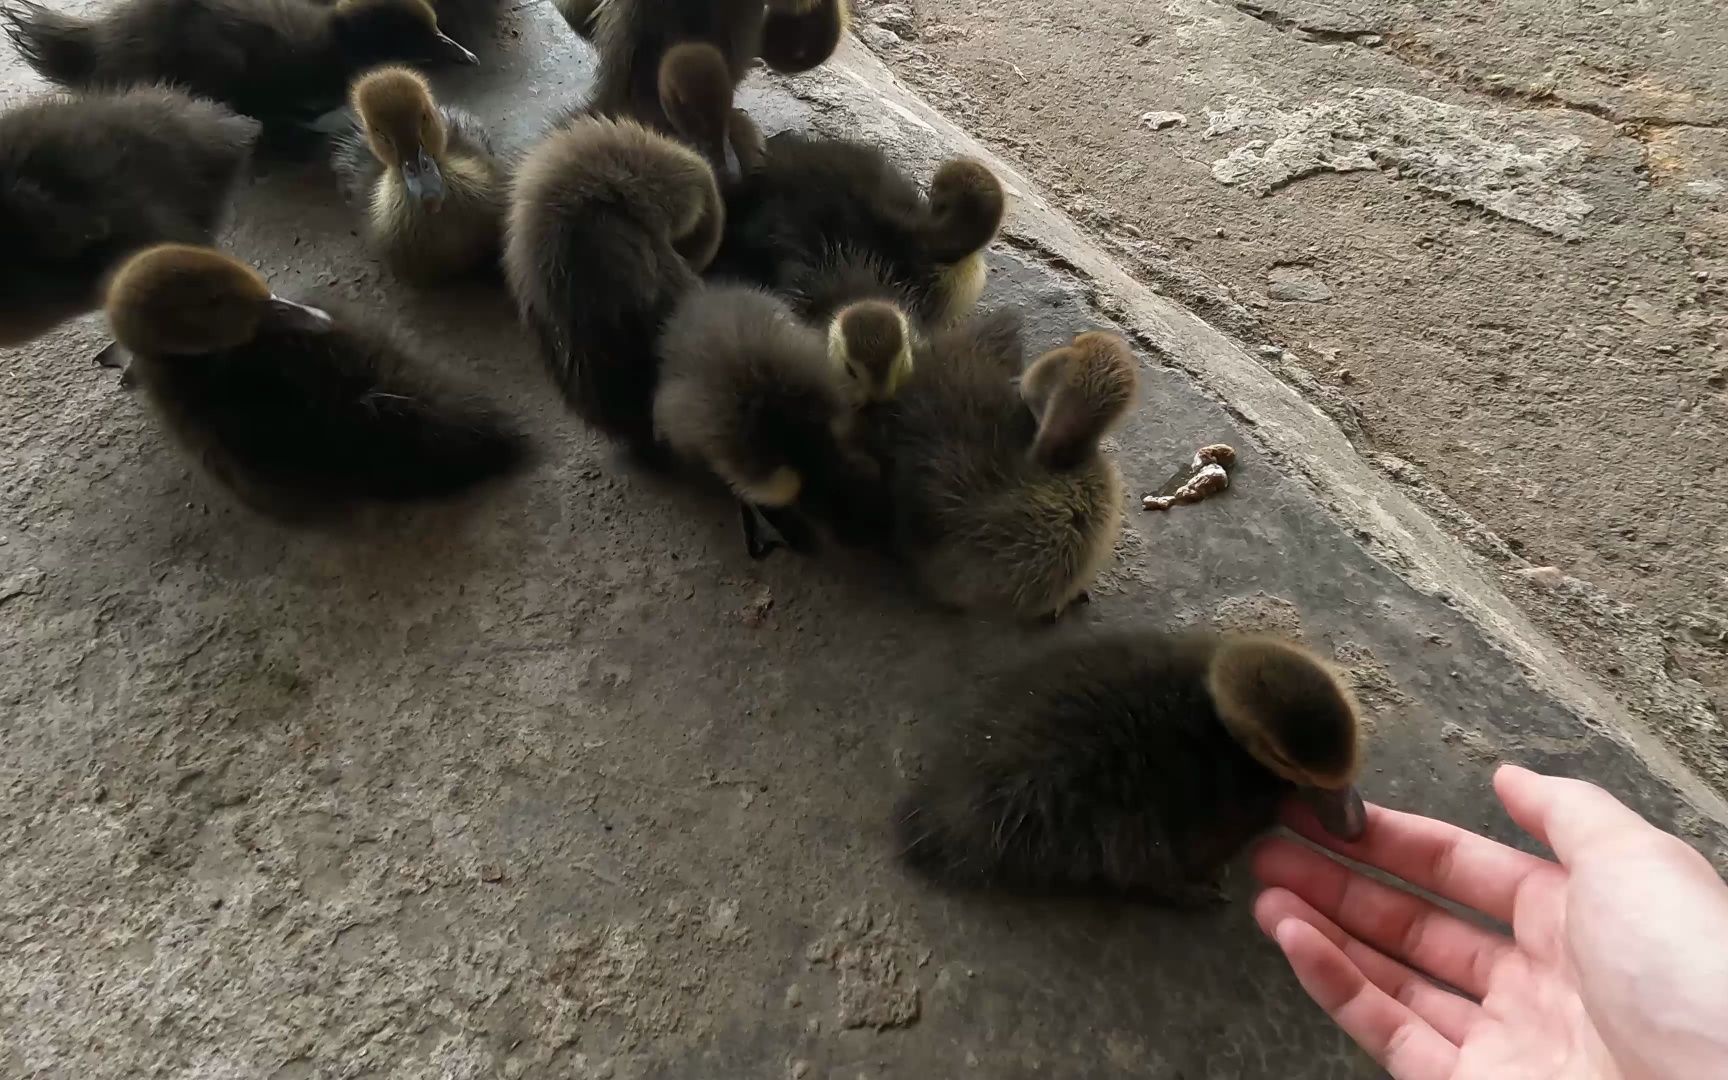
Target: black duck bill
point(423, 181)
point(1339, 810)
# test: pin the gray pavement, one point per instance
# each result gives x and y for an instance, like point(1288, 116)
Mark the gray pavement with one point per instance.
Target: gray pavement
point(561, 785)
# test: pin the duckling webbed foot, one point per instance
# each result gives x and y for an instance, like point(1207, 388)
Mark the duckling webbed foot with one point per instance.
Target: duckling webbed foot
point(114, 355)
point(1053, 617)
point(767, 528)
point(760, 538)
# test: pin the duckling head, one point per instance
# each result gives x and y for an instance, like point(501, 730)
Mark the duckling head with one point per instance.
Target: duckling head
point(1295, 718)
point(1078, 392)
point(376, 31)
point(870, 345)
point(802, 34)
point(700, 222)
point(404, 129)
point(178, 300)
point(696, 95)
point(966, 208)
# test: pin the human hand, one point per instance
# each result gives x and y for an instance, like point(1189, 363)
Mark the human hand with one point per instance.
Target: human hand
point(1617, 965)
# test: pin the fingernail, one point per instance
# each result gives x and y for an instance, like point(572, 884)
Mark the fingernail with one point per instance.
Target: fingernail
point(1279, 928)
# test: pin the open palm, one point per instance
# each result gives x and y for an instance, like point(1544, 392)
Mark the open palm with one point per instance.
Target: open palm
point(1574, 991)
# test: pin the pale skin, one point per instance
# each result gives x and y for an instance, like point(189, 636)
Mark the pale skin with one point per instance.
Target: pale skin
point(1616, 964)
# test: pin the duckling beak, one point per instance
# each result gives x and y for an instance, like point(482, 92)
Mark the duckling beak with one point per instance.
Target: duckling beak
point(453, 51)
point(424, 182)
point(1339, 810)
point(287, 313)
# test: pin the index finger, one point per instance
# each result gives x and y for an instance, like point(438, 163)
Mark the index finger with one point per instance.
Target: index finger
point(1447, 861)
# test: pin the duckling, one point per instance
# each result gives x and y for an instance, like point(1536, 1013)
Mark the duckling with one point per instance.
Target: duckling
point(761, 399)
point(582, 15)
point(1135, 765)
point(800, 35)
point(1003, 499)
point(281, 61)
point(303, 414)
point(696, 105)
point(86, 181)
point(608, 228)
point(871, 343)
point(634, 36)
point(429, 176)
point(810, 197)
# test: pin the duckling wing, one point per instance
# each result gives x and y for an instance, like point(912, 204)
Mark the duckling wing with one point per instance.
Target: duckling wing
point(468, 135)
point(357, 169)
point(299, 422)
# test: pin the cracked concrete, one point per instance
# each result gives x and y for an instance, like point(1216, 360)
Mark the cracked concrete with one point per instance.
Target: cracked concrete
point(559, 784)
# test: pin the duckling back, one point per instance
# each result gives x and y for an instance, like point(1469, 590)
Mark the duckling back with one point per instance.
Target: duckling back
point(1096, 767)
point(633, 35)
point(84, 181)
point(608, 227)
point(303, 424)
point(281, 61)
point(988, 526)
point(811, 198)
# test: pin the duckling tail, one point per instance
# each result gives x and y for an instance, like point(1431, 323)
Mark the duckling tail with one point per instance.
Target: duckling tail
point(62, 48)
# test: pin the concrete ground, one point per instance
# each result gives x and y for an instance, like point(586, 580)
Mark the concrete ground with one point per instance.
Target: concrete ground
point(1490, 239)
point(559, 784)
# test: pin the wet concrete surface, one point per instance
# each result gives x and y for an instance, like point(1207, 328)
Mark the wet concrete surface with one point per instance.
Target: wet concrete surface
point(559, 784)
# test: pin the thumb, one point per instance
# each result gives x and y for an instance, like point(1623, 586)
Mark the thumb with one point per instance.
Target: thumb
point(1573, 817)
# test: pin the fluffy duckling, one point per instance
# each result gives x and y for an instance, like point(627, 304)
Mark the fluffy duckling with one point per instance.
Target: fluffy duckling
point(765, 402)
point(634, 36)
point(1004, 501)
point(86, 181)
point(1135, 765)
point(609, 226)
point(871, 343)
point(582, 15)
point(432, 183)
point(800, 35)
point(301, 413)
point(809, 198)
point(281, 61)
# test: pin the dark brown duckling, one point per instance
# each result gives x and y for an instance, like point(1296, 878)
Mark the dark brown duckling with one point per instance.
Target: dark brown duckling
point(634, 36)
point(303, 414)
point(431, 182)
point(696, 105)
point(583, 16)
point(811, 198)
point(284, 62)
point(768, 403)
point(800, 35)
point(1135, 765)
point(1004, 501)
point(609, 226)
point(86, 181)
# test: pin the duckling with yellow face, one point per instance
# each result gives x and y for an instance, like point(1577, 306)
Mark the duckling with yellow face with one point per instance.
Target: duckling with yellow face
point(303, 413)
point(432, 184)
point(1133, 765)
point(1004, 501)
point(769, 403)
